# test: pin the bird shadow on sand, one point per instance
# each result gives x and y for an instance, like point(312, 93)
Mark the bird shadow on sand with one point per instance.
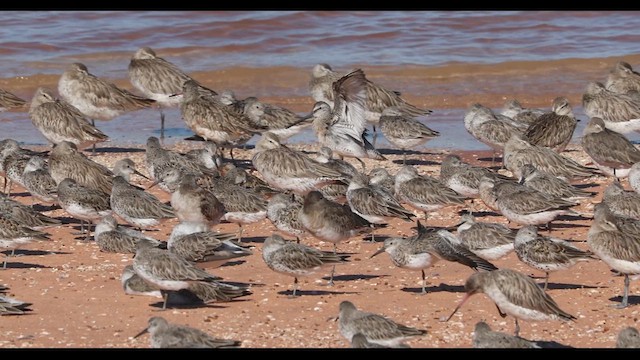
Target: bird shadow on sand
point(416, 162)
point(496, 162)
point(432, 289)
point(376, 239)
point(353, 277)
point(478, 214)
point(633, 300)
point(561, 286)
point(43, 208)
point(19, 194)
point(21, 265)
point(24, 252)
point(289, 293)
point(117, 150)
point(233, 263)
point(254, 239)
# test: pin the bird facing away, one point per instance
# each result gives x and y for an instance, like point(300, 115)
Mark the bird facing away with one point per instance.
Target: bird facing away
point(622, 202)
point(9, 100)
point(514, 294)
point(66, 162)
point(490, 241)
point(545, 253)
point(611, 151)
point(404, 132)
point(628, 338)
point(297, 260)
point(483, 124)
point(38, 181)
point(514, 109)
point(58, 121)
point(485, 338)
point(290, 170)
point(168, 335)
point(553, 130)
point(622, 79)
point(376, 328)
point(282, 211)
point(551, 185)
point(428, 246)
point(82, 202)
point(113, 237)
point(620, 112)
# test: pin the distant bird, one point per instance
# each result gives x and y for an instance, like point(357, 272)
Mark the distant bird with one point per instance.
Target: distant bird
point(282, 210)
point(622, 79)
point(10, 101)
point(133, 284)
point(485, 338)
point(404, 132)
point(622, 202)
point(611, 151)
point(341, 127)
point(168, 335)
point(193, 203)
point(157, 79)
point(277, 119)
point(514, 109)
point(484, 125)
point(514, 294)
point(83, 203)
point(14, 235)
point(490, 241)
point(464, 178)
point(423, 192)
point(546, 253)
point(57, 120)
point(620, 112)
point(553, 130)
point(297, 260)
point(207, 249)
point(38, 181)
point(628, 338)
point(65, 161)
point(428, 246)
point(113, 237)
point(288, 169)
point(554, 186)
point(376, 328)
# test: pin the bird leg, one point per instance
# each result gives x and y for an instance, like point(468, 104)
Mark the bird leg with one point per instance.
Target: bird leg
point(404, 156)
point(161, 123)
point(333, 269)
point(546, 281)
point(517, 332)
point(424, 283)
point(625, 296)
point(165, 296)
point(240, 232)
point(295, 287)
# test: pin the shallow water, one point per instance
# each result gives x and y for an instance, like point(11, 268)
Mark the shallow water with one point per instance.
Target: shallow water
point(443, 60)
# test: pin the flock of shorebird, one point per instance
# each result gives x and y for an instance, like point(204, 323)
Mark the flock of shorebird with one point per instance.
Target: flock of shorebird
point(324, 196)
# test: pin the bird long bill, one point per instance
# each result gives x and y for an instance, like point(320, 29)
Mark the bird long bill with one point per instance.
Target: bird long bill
point(154, 184)
point(464, 299)
point(141, 333)
point(140, 174)
point(380, 251)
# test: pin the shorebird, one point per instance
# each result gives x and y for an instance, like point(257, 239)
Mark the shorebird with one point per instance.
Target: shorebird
point(553, 130)
point(622, 79)
point(514, 294)
point(157, 79)
point(207, 249)
point(278, 120)
point(376, 328)
point(518, 151)
point(12, 306)
point(115, 238)
point(622, 202)
point(341, 127)
point(424, 193)
point(618, 247)
point(208, 155)
point(38, 181)
point(325, 156)
point(484, 125)
point(25, 215)
point(359, 341)
point(428, 246)
point(465, 178)
point(611, 151)
point(620, 112)
point(66, 162)
point(11, 148)
point(132, 203)
point(373, 203)
point(193, 203)
point(332, 222)
point(14, 235)
point(377, 97)
point(634, 177)
point(9, 100)
point(133, 284)
point(490, 241)
point(379, 176)
point(83, 203)
point(551, 185)
point(283, 210)
point(514, 109)
point(171, 272)
point(404, 132)
point(209, 118)
point(168, 335)
point(527, 206)
point(58, 120)
point(485, 338)
point(297, 260)
point(290, 170)
point(243, 178)
point(487, 191)
point(546, 253)
point(96, 98)
point(628, 338)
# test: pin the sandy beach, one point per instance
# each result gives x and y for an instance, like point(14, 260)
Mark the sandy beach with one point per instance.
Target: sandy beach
point(78, 301)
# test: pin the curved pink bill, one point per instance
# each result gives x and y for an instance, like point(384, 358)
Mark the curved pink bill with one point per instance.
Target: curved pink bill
point(464, 299)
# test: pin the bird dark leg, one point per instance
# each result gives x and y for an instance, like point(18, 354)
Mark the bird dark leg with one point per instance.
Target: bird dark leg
point(625, 296)
point(165, 296)
point(424, 283)
point(517, 332)
point(546, 281)
point(375, 135)
point(404, 157)
point(295, 287)
point(93, 147)
point(364, 168)
point(333, 269)
point(161, 124)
